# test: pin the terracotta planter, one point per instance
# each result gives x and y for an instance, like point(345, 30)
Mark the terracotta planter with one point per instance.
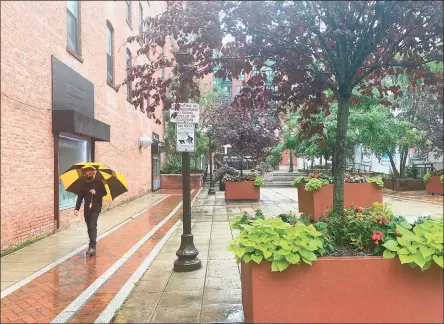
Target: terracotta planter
point(244, 190)
point(434, 186)
point(314, 203)
point(342, 290)
point(174, 181)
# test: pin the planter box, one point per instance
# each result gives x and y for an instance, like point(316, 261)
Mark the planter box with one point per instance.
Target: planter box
point(434, 186)
point(174, 181)
point(404, 184)
point(245, 190)
point(314, 203)
point(342, 290)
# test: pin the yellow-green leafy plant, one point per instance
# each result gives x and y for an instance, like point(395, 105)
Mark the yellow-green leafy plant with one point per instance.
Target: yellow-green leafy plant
point(427, 177)
point(441, 178)
point(418, 246)
point(298, 180)
point(279, 243)
point(259, 181)
point(315, 184)
point(376, 180)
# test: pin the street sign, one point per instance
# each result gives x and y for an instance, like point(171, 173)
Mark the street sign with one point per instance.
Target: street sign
point(185, 138)
point(187, 113)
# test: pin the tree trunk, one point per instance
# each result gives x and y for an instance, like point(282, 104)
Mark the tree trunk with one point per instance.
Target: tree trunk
point(242, 166)
point(320, 160)
point(290, 169)
point(340, 154)
point(402, 166)
point(392, 162)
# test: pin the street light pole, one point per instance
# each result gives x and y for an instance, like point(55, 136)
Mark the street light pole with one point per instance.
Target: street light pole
point(187, 254)
point(211, 190)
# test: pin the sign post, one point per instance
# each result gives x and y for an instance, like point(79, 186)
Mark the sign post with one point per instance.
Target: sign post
point(185, 118)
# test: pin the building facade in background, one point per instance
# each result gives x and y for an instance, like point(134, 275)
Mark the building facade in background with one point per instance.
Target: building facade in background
point(62, 62)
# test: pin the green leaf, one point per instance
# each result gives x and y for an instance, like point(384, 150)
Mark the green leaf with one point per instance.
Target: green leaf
point(403, 241)
point(257, 258)
point(404, 258)
point(403, 251)
point(306, 261)
point(391, 245)
point(246, 258)
point(309, 255)
point(388, 254)
point(293, 258)
point(239, 252)
point(426, 251)
point(282, 265)
point(419, 259)
point(438, 260)
point(426, 266)
point(267, 254)
point(274, 266)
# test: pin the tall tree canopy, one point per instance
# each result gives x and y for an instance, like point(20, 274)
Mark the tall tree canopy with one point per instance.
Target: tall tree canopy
point(311, 46)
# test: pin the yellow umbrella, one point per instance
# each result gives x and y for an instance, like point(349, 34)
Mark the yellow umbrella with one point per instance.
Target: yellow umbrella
point(115, 183)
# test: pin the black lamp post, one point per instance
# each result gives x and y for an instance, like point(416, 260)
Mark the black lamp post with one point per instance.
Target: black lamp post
point(187, 254)
point(211, 190)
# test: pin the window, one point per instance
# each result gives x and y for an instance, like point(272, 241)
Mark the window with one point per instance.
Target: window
point(72, 150)
point(109, 53)
point(128, 12)
point(73, 25)
point(241, 77)
point(221, 84)
point(129, 65)
point(238, 89)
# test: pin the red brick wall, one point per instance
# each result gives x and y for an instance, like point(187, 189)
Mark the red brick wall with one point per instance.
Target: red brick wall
point(174, 181)
point(31, 32)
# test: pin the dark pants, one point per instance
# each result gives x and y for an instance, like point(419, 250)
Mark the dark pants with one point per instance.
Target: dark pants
point(91, 224)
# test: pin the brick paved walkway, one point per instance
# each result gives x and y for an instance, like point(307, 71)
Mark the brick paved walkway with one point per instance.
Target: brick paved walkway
point(45, 297)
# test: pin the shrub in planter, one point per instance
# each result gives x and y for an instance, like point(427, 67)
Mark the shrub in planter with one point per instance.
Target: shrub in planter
point(327, 291)
point(315, 192)
point(434, 182)
point(242, 187)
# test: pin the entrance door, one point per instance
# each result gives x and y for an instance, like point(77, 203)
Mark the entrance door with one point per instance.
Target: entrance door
point(155, 162)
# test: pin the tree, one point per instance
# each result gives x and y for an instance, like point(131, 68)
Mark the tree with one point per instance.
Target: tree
point(311, 46)
point(240, 124)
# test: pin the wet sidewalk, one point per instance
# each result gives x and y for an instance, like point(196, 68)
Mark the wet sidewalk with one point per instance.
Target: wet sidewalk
point(75, 288)
point(211, 294)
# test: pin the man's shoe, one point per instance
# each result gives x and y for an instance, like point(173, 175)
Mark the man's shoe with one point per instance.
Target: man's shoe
point(91, 251)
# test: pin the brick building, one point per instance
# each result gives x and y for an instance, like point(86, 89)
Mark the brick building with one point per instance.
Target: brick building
point(60, 64)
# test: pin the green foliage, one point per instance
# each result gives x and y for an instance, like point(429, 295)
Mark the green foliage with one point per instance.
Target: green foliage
point(280, 243)
point(419, 245)
point(172, 164)
point(427, 177)
point(315, 184)
point(376, 180)
point(297, 181)
point(441, 179)
point(238, 178)
point(246, 218)
point(259, 181)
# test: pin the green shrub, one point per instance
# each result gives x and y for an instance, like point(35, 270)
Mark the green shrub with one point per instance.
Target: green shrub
point(315, 184)
point(280, 243)
point(376, 180)
point(419, 245)
point(298, 180)
point(441, 179)
point(246, 218)
point(427, 177)
point(259, 181)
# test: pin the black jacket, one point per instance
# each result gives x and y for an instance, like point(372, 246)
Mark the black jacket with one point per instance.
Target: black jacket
point(84, 194)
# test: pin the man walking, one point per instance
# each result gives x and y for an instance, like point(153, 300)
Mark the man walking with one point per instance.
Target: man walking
point(93, 190)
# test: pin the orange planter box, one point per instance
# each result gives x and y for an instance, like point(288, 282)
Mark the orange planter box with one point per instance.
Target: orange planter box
point(342, 290)
point(314, 203)
point(434, 186)
point(174, 181)
point(243, 190)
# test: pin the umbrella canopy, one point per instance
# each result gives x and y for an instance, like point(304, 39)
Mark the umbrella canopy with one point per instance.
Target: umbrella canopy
point(115, 183)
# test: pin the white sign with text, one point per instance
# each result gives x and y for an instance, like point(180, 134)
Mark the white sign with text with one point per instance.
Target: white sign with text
point(185, 138)
point(188, 113)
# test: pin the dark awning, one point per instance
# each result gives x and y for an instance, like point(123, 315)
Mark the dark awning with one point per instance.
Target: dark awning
point(71, 121)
